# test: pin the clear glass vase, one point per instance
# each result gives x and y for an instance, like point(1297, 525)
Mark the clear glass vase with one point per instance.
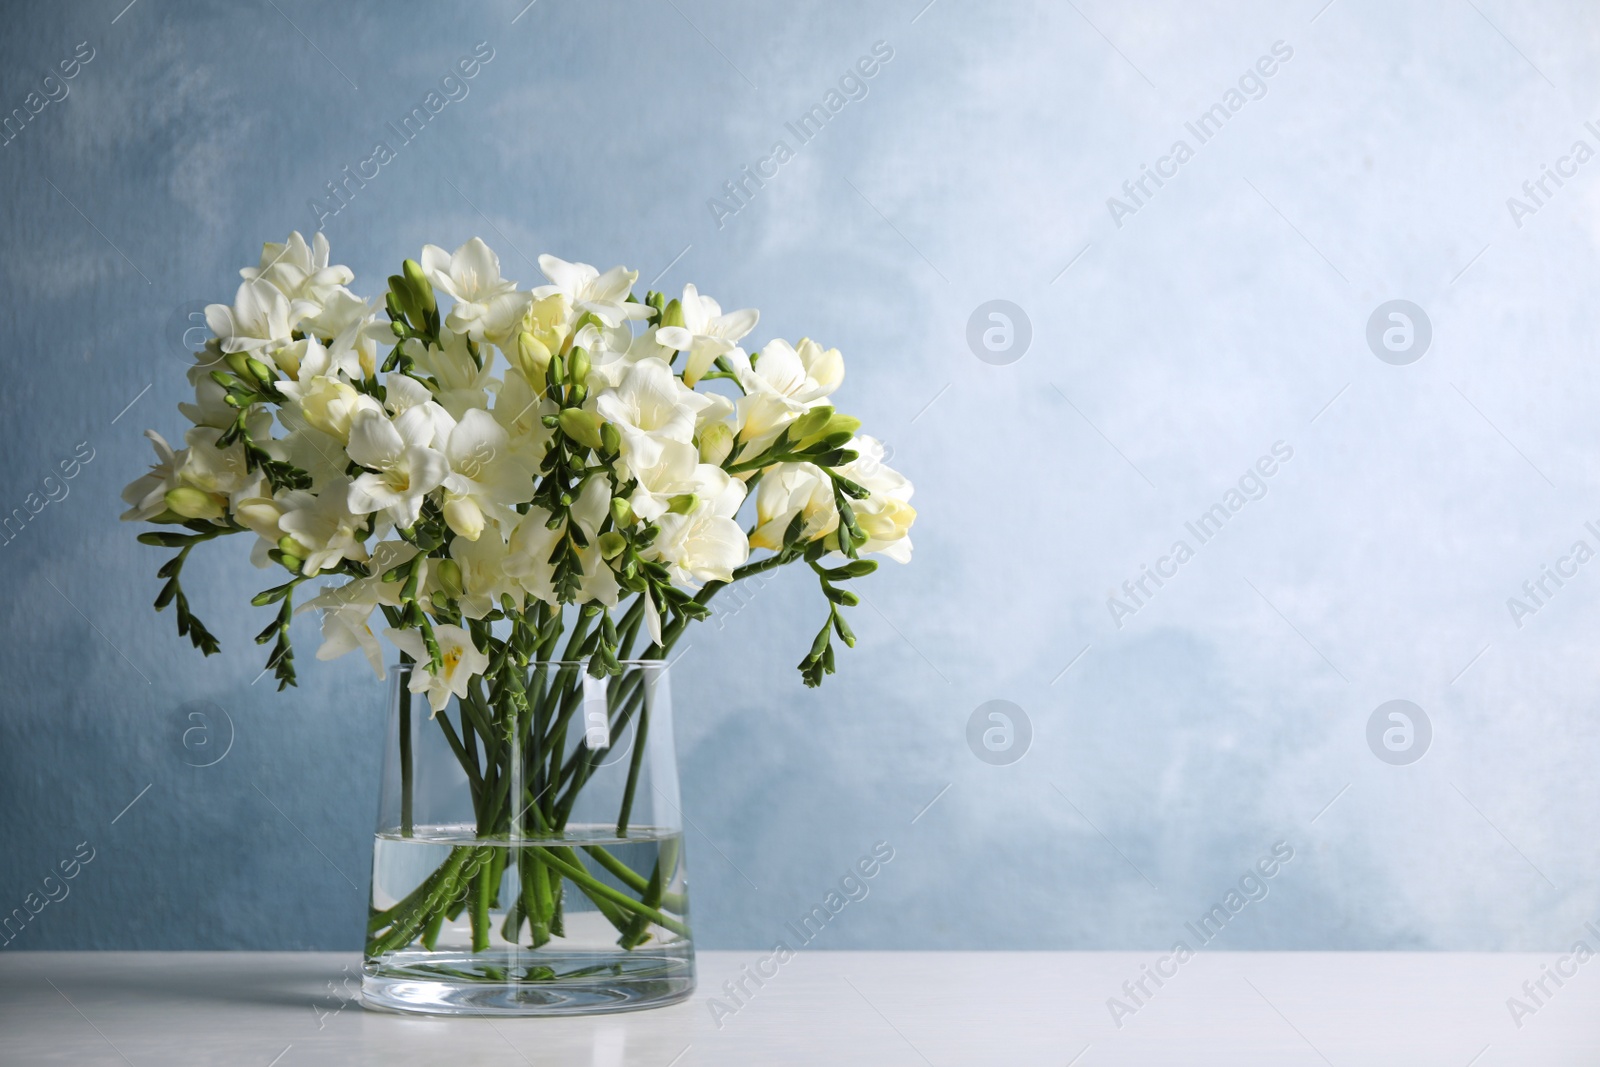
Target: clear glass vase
point(572, 900)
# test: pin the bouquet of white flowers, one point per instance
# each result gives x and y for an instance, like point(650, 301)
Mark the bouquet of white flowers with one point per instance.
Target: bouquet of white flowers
point(518, 465)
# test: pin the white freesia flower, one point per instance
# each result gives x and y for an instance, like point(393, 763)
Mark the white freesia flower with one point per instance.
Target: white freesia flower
point(461, 660)
point(347, 609)
point(613, 349)
point(521, 411)
point(258, 510)
point(324, 527)
point(673, 474)
point(319, 454)
point(299, 271)
point(211, 469)
point(527, 557)
point(210, 408)
point(354, 331)
point(484, 579)
point(706, 544)
point(650, 407)
point(589, 512)
point(706, 332)
point(402, 469)
point(462, 383)
point(260, 320)
point(404, 393)
point(328, 404)
point(485, 479)
point(715, 429)
point(533, 542)
point(886, 515)
point(484, 302)
point(790, 489)
point(147, 494)
point(781, 383)
point(603, 295)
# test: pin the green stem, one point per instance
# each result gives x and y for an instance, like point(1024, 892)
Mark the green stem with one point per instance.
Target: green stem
point(573, 871)
point(641, 734)
point(482, 889)
point(405, 755)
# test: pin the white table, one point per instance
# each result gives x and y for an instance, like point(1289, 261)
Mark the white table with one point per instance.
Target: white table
point(880, 1008)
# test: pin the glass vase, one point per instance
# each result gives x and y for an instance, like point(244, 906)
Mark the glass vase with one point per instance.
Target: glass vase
point(571, 898)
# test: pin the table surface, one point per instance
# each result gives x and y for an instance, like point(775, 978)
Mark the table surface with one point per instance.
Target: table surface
point(879, 1008)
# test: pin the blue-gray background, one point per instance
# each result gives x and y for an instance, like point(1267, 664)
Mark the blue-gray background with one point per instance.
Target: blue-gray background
point(1167, 354)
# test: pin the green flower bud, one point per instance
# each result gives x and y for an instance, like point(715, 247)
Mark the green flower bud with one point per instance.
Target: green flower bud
point(449, 573)
point(610, 438)
point(582, 426)
point(621, 513)
point(194, 503)
point(578, 367)
point(421, 288)
point(683, 503)
point(239, 363)
point(532, 356)
point(673, 315)
point(716, 441)
point(260, 371)
point(290, 547)
point(808, 424)
point(838, 430)
point(612, 544)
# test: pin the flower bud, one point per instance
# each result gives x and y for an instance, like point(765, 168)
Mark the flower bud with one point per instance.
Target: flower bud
point(716, 441)
point(290, 547)
point(464, 517)
point(328, 405)
point(838, 427)
point(546, 320)
point(194, 503)
point(239, 363)
point(621, 513)
point(612, 544)
point(260, 371)
point(532, 357)
point(673, 315)
point(421, 288)
point(449, 574)
point(810, 423)
point(582, 426)
point(683, 503)
point(578, 367)
point(610, 438)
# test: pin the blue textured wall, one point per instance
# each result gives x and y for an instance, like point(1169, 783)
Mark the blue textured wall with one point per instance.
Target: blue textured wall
point(1172, 344)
